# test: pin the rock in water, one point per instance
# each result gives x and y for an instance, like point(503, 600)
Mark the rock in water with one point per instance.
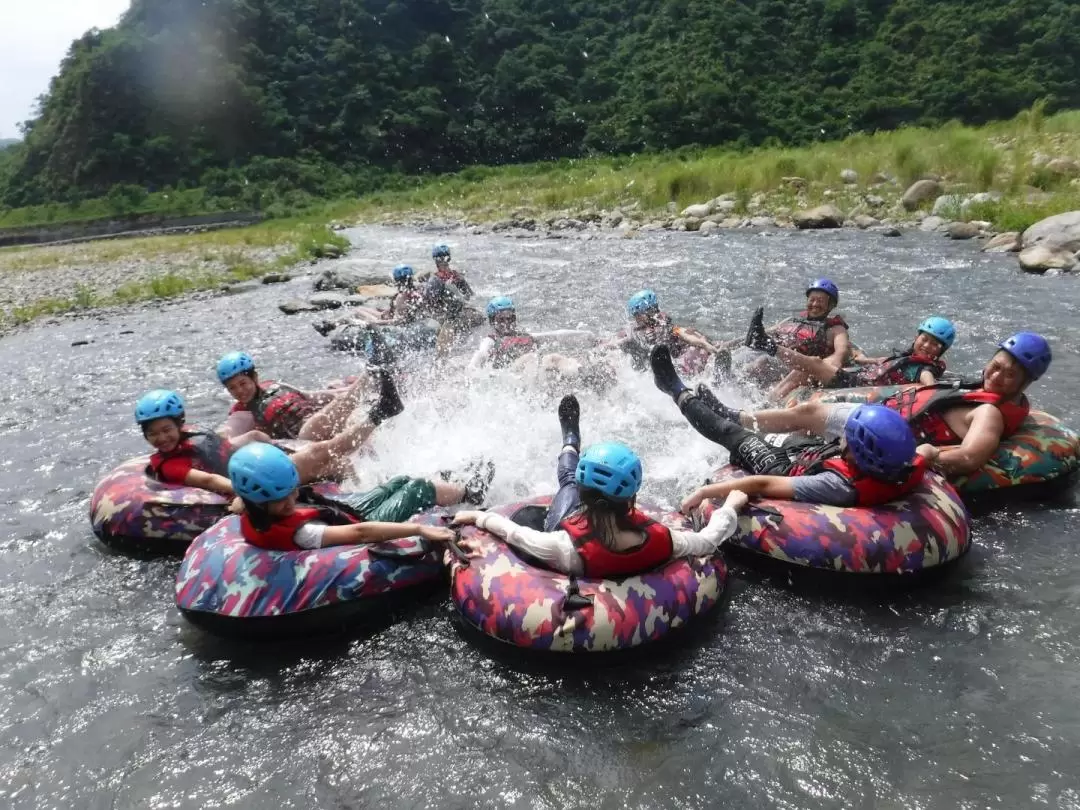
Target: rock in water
point(962, 230)
point(1060, 230)
point(1040, 258)
point(327, 300)
point(919, 192)
point(824, 216)
point(1003, 243)
point(293, 307)
point(708, 227)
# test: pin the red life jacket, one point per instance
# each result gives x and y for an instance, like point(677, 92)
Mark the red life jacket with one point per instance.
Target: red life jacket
point(208, 452)
point(282, 533)
point(280, 409)
point(601, 562)
point(869, 491)
point(807, 335)
point(899, 370)
point(924, 408)
point(509, 348)
point(452, 276)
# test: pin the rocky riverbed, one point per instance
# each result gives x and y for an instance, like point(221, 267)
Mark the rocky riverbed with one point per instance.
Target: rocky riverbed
point(36, 282)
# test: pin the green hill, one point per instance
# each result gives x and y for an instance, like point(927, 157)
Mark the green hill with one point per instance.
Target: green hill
point(323, 95)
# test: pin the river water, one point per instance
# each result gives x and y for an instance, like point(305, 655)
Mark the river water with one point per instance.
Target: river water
point(962, 694)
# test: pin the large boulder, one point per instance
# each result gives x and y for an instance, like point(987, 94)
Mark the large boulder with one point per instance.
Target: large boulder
point(962, 230)
point(1063, 167)
point(1008, 242)
point(699, 211)
point(1060, 230)
point(348, 277)
point(919, 192)
point(824, 216)
point(1040, 258)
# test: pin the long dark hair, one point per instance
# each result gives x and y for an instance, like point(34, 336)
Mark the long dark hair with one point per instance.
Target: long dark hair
point(607, 517)
point(258, 515)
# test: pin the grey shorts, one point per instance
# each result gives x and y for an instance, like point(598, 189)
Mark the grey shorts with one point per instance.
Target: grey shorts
point(836, 419)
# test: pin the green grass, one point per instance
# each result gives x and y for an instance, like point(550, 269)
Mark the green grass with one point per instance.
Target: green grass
point(994, 157)
point(235, 249)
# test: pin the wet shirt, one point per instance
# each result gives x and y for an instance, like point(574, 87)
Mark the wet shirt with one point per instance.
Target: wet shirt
point(827, 487)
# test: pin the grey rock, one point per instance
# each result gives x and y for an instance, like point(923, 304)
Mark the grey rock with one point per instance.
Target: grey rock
point(327, 301)
point(276, 278)
point(962, 230)
point(242, 287)
point(1041, 258)
point(931, 224)
point(294, 307)
point(1060, 230)
point(708, 227)
point(919, 192)
point(699, 211)
point(1003, 243)
point(864, 221)
point(823, 216)
point(948, 206)
point(849, 177)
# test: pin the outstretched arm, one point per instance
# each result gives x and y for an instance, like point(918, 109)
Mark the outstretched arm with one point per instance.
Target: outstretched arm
point(204, 480)
point(377, 532)
point(762, 486)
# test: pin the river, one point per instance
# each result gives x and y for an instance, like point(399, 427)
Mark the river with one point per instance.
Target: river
point(963, 694)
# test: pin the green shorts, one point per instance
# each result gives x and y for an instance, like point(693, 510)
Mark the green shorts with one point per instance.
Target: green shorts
point(395, 501)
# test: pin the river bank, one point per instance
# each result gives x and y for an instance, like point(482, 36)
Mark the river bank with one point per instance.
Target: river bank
point(987, 184)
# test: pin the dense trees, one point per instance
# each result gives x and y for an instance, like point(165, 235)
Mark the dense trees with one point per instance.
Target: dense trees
point(237, 95)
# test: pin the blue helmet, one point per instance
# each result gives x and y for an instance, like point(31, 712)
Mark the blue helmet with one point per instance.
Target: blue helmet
point(827, 287)
point(402, 273)
point(940, 329)
point(439, 251)
point(880, 441)
point(610, 468)
point(1031, 351)
point(500, 303)
point(232, 364)
point(159, 404)
point(262, 473)
point(642, 302)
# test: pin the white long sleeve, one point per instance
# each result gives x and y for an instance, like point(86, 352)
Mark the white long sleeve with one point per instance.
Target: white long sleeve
point(481, 354)
point(556, 549)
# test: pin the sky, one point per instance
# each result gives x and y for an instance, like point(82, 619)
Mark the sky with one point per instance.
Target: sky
point(34, 37)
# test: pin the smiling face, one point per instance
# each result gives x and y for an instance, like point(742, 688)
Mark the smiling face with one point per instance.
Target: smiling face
point(162, 434)
point(243, 387)
point(818, 304)
point(1003, 375)
point(926, 345)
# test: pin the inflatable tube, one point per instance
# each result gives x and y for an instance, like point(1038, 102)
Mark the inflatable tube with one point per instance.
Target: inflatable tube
point(926, 530)
point(1040, 460)
point(136, 513)
point(131, 511)
point(385, 344)
point(229, 587)
point(502, 595)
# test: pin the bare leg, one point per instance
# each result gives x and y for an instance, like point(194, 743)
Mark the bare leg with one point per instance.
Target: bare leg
point(815, 367)
point(332, 418)
point(332, 458)
point(795, 379)
point(248, 438)
point(809, 416)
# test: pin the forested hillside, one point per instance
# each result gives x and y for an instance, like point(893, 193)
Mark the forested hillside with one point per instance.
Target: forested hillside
point(307, 94)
